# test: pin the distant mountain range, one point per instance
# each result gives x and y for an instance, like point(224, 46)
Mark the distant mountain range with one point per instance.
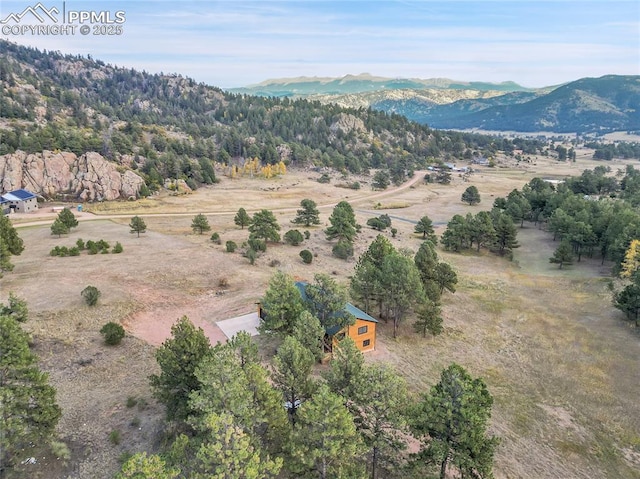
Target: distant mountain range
point(588, 105)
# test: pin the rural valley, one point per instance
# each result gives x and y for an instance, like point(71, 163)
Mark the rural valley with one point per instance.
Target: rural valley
point(547, 339)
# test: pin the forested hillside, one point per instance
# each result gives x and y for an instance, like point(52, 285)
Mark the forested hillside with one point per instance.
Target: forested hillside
point(168, 126)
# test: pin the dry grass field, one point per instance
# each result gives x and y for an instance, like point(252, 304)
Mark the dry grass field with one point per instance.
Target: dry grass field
point(560, 363)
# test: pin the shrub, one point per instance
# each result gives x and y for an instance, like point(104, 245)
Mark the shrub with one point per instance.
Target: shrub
point(324, 178)
point(306, 256)
point(274, 262)
point(92, 247)
point(63, 251)
point(114, 437)
point(252, 255)
point(55, 251)
point(112, 333)
point(60, 450)
point(293, 237)
point(307, 235)
point(257, 245)
point(91, 295)
point(135, 422)
point(117, 248)
point(231, 246)
point(223, 282)
point(343, 249)
point(103, 245)
point(80, 244)
point(74, 251)
point(131, 401)
point(215, 237)
point(394, 232)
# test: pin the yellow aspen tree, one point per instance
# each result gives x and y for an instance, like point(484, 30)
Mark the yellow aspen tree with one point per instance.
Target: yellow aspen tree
point(631, 261)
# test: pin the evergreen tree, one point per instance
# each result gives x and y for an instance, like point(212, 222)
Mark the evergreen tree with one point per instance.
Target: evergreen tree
point(228, 452)
point(265, 226)
point(379, 406)
point(381, 180)
point(471, 195)
point(506, 234)
point(325, 443)
point(628, 301)
point(178, 358)
point(426, 260)
point(326, 300)
point(137, 225)
point(429, 319)
point(562, 255)
point(452, 421)
point(232, 381)
point(345, 369)
point(293, 237)
point(16, 308)
point(343, 223)
point(366, 283)
point(445, 277)
point(241, 218)
point(292, 374)
point(59, 228)
point(308, 215)
point(200, 224)
point(401, 287)
point(425, 226)
point(282, 305)
point(28, 404)
point(141, 466)
point(456, 236)
point(481, 229)
point(310, 333)
point(67, 218)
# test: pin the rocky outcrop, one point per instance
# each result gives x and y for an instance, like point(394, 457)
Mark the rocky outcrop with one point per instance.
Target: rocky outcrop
point(87, 178)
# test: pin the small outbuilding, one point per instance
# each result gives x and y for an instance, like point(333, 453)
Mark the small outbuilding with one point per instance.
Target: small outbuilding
point(20, 201)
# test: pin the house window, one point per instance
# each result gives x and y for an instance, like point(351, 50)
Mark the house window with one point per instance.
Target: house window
point(366, 342)
point(363, 329)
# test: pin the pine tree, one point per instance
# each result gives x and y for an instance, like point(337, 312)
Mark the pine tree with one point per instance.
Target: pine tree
point(309, 214)
point(28, 404)
point(325, 443)
point(343, 223)
point(425, 226)
point(471, 195)
point(264, 225)
point(137, 225)
point(282, 305)
point(59, 228)
point(451, 422)
point(562, 255)
point(178, 358)
point(67, 218)
point(241, 218)
point(292, 374)
point(200, 224)
point(429, 319)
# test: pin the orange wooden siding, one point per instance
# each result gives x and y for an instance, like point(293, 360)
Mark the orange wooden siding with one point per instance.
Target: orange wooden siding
point(360, 338)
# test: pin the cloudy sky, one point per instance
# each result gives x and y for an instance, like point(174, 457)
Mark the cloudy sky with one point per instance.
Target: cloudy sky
point(235, 43)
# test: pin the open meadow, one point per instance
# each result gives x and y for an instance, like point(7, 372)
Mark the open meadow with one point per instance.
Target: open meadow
point(561, 364)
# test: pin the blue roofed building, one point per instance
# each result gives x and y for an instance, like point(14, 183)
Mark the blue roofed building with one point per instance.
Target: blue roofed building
point(19, 201)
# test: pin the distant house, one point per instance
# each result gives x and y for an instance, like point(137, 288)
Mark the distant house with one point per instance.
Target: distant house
point(20, 201)
point(363, 331)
